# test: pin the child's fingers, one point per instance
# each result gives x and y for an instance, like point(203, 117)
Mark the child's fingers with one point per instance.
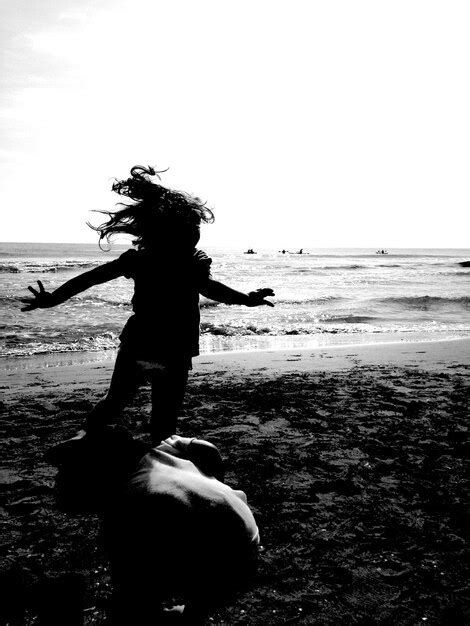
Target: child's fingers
point(29, 304)
point(41, 286)
point(266, 292)
point(33, 290)
point(257, 298)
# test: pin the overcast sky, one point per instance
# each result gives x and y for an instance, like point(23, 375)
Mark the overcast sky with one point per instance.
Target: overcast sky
point(302, 123)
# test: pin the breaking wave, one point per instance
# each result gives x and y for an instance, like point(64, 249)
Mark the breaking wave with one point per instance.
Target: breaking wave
point(44, 268)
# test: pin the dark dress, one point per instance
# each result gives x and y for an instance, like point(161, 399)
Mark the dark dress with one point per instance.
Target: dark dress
point(165, 324)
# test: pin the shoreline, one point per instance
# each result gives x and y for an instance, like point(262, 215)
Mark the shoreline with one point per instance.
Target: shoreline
point(287, 343)
point(94, 369)
point(426, 354)
point(89, 356)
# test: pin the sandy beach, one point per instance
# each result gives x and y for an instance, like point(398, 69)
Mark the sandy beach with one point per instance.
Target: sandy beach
point(353, 459)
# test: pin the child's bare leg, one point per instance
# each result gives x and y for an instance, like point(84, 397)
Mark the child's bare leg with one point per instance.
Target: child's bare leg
point(125, 381)
point(168, 388)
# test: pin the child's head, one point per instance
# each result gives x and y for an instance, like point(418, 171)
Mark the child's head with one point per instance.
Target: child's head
point(157, 216)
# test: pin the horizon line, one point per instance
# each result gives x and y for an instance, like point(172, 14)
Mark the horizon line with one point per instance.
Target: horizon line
point(89, 243)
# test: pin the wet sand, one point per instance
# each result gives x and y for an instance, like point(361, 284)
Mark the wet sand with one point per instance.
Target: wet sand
point(353, 459)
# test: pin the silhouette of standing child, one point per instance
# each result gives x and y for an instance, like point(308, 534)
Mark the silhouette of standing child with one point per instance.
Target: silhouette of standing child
point(169, 272)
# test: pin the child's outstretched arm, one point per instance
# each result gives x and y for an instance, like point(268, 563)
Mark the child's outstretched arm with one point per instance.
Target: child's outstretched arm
point(42, 299)
point(221, 293)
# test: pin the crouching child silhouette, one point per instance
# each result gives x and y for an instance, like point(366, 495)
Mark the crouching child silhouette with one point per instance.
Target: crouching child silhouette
point(169, 273)
point(171, 527)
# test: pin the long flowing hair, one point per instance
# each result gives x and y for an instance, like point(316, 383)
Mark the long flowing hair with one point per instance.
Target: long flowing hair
point(152, 208)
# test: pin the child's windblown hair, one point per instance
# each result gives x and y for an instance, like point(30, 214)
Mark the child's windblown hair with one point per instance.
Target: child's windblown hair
point(153, 208)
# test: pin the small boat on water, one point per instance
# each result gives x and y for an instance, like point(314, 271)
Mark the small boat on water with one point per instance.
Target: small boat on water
point(250, 251)
point(381, 252)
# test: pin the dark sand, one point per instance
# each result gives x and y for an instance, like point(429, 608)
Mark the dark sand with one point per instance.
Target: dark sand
point(353, 459)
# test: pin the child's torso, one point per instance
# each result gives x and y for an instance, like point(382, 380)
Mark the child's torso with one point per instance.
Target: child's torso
point(166, 299)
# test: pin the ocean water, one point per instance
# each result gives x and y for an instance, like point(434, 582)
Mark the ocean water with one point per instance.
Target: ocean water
point(334, 296)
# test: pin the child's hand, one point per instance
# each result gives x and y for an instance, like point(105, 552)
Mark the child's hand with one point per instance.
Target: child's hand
point(257, 298)
point(42, 299)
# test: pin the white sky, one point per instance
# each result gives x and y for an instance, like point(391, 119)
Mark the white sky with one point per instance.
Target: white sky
point(302, 123)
